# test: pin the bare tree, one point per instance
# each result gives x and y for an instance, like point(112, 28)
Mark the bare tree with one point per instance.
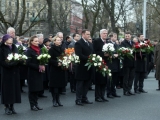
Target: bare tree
point(10, 16)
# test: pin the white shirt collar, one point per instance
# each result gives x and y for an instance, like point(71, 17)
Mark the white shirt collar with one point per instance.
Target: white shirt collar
point(84, 39)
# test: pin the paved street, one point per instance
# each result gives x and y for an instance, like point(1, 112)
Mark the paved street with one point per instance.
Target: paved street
point(145, 106)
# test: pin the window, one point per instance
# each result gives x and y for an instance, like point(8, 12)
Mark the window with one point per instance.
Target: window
point(9, 3)
point(44, 15)
point(39, 5)
point(33, 14)
point(34, 5)
point(27, 14)
point(28, 5)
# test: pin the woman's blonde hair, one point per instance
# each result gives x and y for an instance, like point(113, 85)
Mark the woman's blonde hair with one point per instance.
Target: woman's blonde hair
point(31, 39)
point(54, 38)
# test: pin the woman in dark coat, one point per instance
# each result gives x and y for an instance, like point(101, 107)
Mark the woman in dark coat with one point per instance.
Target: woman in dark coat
point(35, 77)
point(56, 74)
point(9, 75)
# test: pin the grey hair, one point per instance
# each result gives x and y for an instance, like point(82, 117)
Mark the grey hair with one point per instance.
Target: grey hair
point(39, 35)
point(59, 33)
point(102, 30)
point(10, 29)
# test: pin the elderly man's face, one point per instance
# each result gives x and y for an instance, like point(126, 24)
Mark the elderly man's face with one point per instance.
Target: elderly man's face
point(12, 33)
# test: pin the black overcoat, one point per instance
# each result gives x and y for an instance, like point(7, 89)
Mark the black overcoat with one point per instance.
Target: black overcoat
point(83, 50)
point(10, 87)
point(114, 64)
point(56, 73)
point(35, 78)
point(128, 62)
point(98, 45)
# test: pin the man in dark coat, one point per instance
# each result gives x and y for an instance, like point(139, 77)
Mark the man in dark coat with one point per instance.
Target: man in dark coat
point(114, 66)
point(128, 67)
point(41, 45)
point(100, 80)
point(83, 76)
point(11, 32)
point(72, 67)
point(141, 67)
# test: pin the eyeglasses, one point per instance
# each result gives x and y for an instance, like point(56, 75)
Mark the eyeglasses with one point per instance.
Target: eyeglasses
point(90, 39)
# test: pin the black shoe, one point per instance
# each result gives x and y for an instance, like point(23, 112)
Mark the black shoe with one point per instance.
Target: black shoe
point(34, 108)
point(158, 89)
point(104, 99)
point(87, 102)
point(91, 89)
point(22, 91)
point(126, 94)
point(8, 111)
point(55, 104)
point(98, 100)
point(142, 91)
point(39, 108)
point(79, 103)
point(110, 96)
point(58, 100)
point(115, 95)
point(131, 93)
point(13, 110)
point(42, 96)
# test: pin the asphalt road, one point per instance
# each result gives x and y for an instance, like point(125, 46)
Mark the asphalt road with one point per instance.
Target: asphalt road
point(144, 106)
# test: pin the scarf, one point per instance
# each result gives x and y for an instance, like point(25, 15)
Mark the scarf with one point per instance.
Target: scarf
point(36, 48)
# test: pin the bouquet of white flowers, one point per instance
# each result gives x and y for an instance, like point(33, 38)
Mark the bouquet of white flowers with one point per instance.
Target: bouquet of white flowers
point(93, 60)
point(74, 58)
point(16, 57)
point(99, 64)
point(65, 61)
point(43, 59)
point(108, 48)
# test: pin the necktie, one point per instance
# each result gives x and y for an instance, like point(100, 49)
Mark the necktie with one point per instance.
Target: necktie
point(104, 41)
point(87, 43)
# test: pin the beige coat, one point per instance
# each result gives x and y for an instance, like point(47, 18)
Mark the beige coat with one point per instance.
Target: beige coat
point(157, 60)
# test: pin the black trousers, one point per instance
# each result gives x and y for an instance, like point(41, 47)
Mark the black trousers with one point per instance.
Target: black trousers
point(72, 81)
point(128, 78)
point(100, 90)
point(139, 79)
point(0, 84)
point(120, 81)
point(82, 89)
point(22, 82)
point(111, 84)
point(33, 98)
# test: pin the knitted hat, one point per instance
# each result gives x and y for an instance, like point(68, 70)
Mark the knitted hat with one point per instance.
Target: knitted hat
point(5, 38)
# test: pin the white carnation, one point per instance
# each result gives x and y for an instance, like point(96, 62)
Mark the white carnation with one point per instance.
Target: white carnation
point(99, 64)
point(48, 56)
point(94, 55)
point(93, 59)
point(95, 64)
point(110, 74)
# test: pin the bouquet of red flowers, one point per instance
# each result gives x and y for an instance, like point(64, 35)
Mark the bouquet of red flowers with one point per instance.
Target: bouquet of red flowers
point(125, 52)
point(98, 62)
point(143, 47)
point(104, 69)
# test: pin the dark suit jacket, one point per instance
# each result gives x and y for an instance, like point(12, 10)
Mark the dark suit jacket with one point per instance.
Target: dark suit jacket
point(83, 51)
point(114, 65)
point(127, 62)
point(72, 44)
point(97, 45)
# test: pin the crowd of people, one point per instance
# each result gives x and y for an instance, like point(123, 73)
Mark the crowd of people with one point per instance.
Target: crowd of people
point(52, 77)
